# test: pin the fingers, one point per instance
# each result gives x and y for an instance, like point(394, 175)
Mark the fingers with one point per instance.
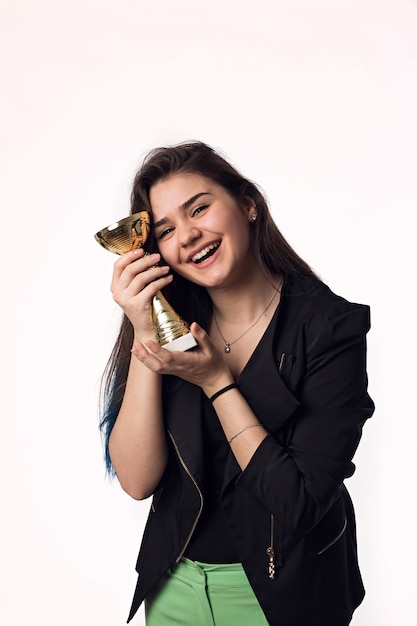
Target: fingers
point(134, 273)
point(201, 337)
point(200, 366)
point(152, 355)
point(147, 283)
point(136, 280)
point(125, 259)
point(130, 265)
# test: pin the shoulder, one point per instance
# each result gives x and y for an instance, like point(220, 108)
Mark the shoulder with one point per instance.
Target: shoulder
point(313, 297)
point(311, 305)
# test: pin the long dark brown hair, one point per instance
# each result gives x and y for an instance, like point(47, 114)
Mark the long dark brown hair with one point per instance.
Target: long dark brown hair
point(191, 301)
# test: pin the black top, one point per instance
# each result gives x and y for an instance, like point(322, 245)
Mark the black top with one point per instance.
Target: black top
point(212, 541)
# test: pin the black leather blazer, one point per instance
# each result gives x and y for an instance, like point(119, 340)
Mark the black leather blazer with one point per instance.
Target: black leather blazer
point(306, 382)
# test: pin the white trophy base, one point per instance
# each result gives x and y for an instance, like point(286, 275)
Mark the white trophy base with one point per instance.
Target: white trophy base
point(183, 343)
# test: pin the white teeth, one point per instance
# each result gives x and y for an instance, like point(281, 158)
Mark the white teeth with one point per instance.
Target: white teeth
point(204, 252)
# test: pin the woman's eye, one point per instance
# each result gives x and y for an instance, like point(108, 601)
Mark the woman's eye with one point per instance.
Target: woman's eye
point(198, 209)
point(165, 232)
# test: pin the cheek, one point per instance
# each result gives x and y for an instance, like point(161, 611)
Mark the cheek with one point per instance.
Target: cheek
point(167, 251)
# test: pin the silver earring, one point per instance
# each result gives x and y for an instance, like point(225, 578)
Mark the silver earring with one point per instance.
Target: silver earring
point(253, 217)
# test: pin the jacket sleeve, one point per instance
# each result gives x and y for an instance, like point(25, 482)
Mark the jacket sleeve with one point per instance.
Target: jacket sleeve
point(298, 476)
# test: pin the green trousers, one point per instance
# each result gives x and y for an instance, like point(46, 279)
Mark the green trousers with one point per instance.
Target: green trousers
point(203, 594)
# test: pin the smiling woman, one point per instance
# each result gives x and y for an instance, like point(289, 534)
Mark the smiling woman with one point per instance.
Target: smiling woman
point(246, 440)
point(205, 238)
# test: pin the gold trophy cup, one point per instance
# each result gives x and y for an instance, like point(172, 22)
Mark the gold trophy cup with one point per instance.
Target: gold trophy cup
point(128, 234)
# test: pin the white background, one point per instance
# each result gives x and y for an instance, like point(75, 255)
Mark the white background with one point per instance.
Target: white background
point(314, 100)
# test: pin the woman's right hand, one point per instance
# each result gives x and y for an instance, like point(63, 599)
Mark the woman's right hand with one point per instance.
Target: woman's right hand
point(137, 443)
point(136, 279)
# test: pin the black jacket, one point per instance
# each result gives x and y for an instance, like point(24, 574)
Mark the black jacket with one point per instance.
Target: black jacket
point(306, 382)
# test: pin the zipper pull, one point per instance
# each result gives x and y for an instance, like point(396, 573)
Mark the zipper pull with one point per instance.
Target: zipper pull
point(271, 564)
point(271, 552)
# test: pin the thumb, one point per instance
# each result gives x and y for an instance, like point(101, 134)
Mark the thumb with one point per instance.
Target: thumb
point(199, 334)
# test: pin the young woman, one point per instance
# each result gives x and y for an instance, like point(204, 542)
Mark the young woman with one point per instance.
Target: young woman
point(244, 441)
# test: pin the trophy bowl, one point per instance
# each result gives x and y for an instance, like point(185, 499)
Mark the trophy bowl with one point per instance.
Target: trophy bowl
point(125, 235)
point(128, 234)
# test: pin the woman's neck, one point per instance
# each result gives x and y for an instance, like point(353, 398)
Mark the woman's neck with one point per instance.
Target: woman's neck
point(242, 303)
point(240, 318)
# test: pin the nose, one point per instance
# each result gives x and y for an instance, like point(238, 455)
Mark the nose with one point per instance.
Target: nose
point(188, 234)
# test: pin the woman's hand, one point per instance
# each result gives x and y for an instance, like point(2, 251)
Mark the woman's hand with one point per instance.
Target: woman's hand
point(136, 280)
point(203, 365)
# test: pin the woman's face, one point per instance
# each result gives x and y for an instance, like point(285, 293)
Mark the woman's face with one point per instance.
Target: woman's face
point(201, 231)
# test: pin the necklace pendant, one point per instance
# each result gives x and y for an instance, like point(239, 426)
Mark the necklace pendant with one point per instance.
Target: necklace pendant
point(227, 347)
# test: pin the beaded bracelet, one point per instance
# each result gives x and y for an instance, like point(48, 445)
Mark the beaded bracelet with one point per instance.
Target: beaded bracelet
point(223, 390)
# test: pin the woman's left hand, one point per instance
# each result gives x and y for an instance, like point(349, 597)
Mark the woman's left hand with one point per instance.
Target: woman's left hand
point(203, 365)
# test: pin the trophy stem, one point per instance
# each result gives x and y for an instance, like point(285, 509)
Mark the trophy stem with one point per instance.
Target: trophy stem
point(171, 331)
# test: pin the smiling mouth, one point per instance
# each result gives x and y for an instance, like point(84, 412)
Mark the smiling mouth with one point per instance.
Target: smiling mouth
point(205, 253)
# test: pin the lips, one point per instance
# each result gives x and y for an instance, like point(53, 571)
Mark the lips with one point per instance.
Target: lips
point(205, 252)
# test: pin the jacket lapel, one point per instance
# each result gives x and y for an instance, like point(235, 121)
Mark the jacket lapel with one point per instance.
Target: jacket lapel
point(266, 393)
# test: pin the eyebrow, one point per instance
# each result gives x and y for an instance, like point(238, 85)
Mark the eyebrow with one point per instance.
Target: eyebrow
point(185, 205)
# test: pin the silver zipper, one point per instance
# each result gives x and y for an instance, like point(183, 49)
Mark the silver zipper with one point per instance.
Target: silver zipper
point(271, 552)
point(199, 493)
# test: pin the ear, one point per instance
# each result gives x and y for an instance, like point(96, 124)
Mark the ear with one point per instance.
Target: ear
point(249, 207)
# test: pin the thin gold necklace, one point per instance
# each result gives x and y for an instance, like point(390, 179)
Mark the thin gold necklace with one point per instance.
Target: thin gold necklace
point(228, 344)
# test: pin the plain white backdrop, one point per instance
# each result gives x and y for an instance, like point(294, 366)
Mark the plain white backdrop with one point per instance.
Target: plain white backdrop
point(314, 100)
